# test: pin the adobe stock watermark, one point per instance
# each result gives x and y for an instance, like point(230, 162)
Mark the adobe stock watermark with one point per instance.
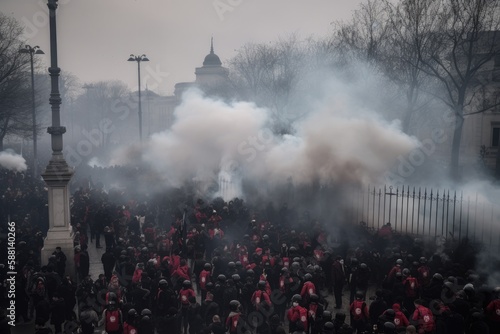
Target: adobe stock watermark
point(222, 7)
point(39, 19)
point(121, 109)
point(249, 149)
point(407, 164)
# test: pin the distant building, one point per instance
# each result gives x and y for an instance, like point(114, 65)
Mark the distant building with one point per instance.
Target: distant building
point(211, 77)
point(481, 132)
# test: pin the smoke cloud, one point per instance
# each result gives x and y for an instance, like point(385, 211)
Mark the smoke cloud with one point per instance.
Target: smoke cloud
point(335, 143)
point(12, 161)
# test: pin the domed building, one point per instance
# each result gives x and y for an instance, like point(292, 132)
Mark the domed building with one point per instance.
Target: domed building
point(210, 77)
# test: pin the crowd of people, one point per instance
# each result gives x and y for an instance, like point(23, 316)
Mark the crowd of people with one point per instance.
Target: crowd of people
point(178, 264)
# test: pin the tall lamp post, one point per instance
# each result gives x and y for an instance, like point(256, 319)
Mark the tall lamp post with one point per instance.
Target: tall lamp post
point(33, 51)
point(57, 174)
point(139, 59)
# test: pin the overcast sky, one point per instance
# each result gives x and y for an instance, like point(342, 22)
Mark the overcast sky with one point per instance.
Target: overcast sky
point(96, 37)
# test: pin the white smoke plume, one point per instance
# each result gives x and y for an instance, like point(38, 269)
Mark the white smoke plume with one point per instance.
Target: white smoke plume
point(335, 143)
point(12, 161)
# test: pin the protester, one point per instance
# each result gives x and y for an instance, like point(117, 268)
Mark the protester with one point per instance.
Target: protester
point(217, 266)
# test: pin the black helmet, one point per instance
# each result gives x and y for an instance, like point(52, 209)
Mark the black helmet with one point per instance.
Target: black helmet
point(399, 261)
point(363, 266)
point(233, 305)
point(221, 278)
point(250, 272)
point(423, 260)
point(359, 295)
point(476, 316)
point(449, 285)
point(390, 313)
point(144, 250)
point(146, 318)
point(265, 237)
point(354, 261)
point(112, 297)
point(327, 315)
point(209, 286)
point(314, 298)
point(468, 288)
point(163, 283)
point(146, 312)
point(438, 277)
point(389, 327)
point(132, 313)
point(231, 265)
point(236, 277)
point(186, 284)
point(284, 270)
point(262, 285)
point(308, 277)
point(406, 272)
point(238, 264)
point(340, 317)
point(328, 326)
point(207, 266)
point(296, 298)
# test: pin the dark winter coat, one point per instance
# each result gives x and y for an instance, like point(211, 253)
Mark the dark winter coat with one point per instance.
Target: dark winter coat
point(58, 311)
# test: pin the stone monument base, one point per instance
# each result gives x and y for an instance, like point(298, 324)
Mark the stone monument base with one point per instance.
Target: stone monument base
point(60, 237)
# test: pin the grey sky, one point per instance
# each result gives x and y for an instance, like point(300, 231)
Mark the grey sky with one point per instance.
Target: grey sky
point(96, 36)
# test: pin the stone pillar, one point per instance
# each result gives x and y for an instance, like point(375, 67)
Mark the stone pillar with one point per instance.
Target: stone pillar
point(57, 174)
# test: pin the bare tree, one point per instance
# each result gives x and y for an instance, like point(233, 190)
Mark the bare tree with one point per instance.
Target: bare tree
point(15, 109)
point(269, 75)
point(96, 102)
point(366, 34)
point(463, 39)
point(410, 27)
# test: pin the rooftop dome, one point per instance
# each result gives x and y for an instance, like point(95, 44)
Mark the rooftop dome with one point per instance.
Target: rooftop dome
point(212, 59)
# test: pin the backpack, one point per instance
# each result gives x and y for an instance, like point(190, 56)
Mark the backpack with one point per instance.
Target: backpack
point(260, 301)
point(112, 320)
point(302, 321)
point(232, 323)
point(357, 309)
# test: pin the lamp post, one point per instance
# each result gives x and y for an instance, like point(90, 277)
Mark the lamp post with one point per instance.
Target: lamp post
point(57, 174)
point(33, 51)
point(139, 59)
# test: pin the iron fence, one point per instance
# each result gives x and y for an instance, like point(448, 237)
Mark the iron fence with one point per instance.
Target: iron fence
point(429, 212)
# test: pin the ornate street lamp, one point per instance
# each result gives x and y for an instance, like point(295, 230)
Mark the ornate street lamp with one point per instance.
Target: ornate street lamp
point(33, 51)
point(139, 59)
point(57, 174)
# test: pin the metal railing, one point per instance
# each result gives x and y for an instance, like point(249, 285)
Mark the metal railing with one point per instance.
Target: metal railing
point(429, 212)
